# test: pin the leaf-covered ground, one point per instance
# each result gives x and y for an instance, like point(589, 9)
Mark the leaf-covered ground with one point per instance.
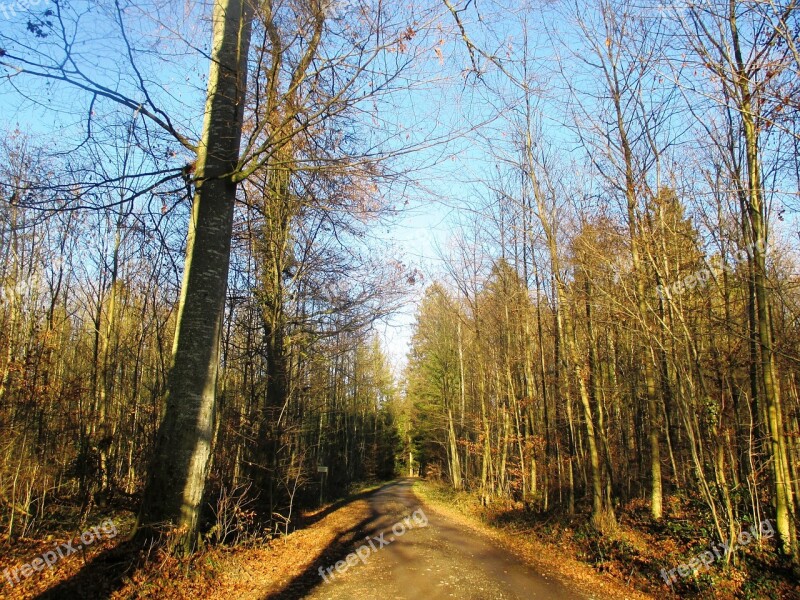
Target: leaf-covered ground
point(109, 569)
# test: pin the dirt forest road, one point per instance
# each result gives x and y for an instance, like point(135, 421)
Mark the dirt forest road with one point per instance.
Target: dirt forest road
point(431, 558)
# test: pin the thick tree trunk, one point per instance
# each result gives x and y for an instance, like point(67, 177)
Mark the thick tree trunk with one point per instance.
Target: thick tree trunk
point(177, 477)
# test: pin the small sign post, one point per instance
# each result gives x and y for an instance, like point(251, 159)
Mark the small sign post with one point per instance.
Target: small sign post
point(323, 471)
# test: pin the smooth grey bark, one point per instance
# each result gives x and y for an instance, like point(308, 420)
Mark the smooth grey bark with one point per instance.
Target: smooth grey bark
point(173, 494)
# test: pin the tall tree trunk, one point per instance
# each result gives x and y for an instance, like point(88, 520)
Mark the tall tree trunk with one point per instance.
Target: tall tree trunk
point(656, 495)
point(769, 372)
point(177, 476)
point(602, 512)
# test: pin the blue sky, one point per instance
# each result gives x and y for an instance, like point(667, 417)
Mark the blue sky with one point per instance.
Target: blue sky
point(171, 60)
point(455, 122)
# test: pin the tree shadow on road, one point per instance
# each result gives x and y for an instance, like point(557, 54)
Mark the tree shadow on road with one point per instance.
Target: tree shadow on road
point(345, 543)
point(304, 522)
point(101, 576)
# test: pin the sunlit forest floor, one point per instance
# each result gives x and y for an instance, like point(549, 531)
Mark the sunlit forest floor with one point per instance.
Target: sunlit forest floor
point(253, 569)
point(627, 561)
point(626, 564)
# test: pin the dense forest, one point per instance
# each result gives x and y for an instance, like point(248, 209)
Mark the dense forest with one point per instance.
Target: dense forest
point(630, 330)
point(93, 242)
point(197, 212)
